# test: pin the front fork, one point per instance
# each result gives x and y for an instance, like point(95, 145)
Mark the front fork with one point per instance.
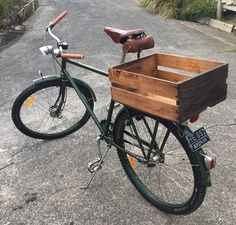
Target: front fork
point(58, 106)
point(56, 109)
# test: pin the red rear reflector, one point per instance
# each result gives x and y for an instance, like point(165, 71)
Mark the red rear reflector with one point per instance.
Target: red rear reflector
point(210, 162)
point(213, 164)
point(194, 118)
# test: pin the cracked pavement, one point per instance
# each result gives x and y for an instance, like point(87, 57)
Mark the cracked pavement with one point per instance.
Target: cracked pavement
point(40, 180)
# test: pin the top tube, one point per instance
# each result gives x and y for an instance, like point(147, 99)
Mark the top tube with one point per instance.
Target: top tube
point(87, 67)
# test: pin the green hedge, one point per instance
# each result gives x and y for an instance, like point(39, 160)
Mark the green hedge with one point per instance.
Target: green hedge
point(182, 9)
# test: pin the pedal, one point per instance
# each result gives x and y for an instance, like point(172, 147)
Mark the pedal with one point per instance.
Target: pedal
point(93, 166)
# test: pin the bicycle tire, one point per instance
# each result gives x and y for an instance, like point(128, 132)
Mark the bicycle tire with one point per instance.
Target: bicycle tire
point(36, 100)
point(181, 171)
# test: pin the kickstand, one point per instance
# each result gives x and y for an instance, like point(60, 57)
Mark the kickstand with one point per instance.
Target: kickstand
point(95, 165)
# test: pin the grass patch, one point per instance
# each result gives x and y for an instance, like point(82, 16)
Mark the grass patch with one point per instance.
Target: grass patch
point(182, 9)
point(232, 50)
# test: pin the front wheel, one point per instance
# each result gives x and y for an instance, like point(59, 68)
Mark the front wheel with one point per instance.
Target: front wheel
point(162, 166)
point(37, 111)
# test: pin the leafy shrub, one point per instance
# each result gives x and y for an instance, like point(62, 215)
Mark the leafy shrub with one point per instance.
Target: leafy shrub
point(182, 9)
point(192, 10)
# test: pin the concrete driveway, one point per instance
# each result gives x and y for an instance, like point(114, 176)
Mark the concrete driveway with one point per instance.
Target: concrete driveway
point(40, 180)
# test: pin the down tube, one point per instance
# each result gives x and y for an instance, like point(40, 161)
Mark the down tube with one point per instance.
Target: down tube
point(84, 102)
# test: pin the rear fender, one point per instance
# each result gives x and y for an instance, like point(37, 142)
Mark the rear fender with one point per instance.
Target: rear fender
point(206, 176)
point(199, 154)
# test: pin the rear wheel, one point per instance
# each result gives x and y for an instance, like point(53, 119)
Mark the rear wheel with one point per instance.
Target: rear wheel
point(170, 179)
point(36, 111)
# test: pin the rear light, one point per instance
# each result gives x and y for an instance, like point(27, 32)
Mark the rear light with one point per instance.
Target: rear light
point(210, 162)
point(194, 118)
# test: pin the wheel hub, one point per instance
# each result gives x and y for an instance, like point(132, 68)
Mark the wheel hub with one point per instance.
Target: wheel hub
point(54, 112)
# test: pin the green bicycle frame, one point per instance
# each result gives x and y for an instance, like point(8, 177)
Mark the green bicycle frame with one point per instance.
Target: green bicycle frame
point(105, 130)
point(64, 72)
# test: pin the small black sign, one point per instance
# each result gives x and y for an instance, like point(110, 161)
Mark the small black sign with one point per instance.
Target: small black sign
point(197, 139)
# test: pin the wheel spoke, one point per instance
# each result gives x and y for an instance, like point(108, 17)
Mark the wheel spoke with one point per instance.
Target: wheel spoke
point(181, 187)
point(168, 177)
point(178, 173)
point(39, 117)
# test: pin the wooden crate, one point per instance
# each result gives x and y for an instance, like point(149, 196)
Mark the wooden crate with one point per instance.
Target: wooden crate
point(169, 86)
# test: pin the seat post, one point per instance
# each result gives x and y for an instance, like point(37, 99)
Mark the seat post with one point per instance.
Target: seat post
point(138, 54)
point(123, 57)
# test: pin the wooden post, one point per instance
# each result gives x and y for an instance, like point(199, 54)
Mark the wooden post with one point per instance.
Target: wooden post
point(219, 10)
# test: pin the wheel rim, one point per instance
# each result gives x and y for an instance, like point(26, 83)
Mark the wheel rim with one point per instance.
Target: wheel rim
point(37, 111)
point(169, 179)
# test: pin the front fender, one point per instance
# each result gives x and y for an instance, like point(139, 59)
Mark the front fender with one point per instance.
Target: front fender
point(77, 81)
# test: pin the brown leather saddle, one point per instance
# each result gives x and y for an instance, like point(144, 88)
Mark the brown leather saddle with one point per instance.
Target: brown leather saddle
point(132, 40)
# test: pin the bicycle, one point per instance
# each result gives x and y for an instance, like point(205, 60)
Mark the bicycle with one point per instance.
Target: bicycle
point(153, 151)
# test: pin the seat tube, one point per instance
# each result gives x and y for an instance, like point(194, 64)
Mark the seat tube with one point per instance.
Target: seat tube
point(109, 115)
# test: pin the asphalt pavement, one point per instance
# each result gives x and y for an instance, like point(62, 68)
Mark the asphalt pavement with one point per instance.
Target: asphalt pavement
point(40, 180)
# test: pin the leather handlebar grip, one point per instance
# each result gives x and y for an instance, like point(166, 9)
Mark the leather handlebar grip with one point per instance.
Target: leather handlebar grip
point(59, 18)
point(71, 56)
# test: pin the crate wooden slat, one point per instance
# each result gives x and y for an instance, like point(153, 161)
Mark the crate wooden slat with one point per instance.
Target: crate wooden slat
point(204, 91)
point(185, 63)
point(145, 83)
point(169, 86)
point(149, 104)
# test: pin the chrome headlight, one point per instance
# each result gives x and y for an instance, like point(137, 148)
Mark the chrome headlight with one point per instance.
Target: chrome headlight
point(47, 49)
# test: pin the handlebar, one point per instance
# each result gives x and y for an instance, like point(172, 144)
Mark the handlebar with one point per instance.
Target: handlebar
point(71, 56)
point(56, 20)
point(59, 18)
point(60, 52)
